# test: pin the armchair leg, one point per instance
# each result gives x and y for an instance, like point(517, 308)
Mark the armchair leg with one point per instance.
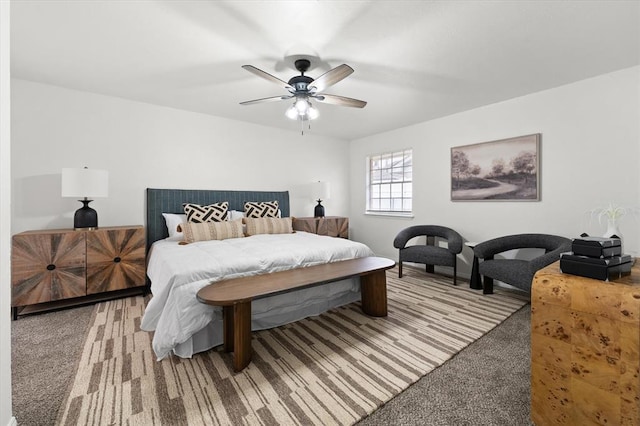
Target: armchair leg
point(400, 269)
point(429, 269)
point(487, 288)
point(455, 267)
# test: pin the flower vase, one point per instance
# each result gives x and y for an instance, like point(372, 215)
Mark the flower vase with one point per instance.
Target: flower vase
point(612, 229)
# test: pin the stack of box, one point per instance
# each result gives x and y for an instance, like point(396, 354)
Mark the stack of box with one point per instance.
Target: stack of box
point(596, 257)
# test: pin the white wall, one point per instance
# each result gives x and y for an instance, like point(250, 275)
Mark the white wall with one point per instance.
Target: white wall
point(589, 156)
point(143, 146)
point(5, 219)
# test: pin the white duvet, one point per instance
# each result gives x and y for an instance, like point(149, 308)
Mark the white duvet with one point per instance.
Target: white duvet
point(184, 326)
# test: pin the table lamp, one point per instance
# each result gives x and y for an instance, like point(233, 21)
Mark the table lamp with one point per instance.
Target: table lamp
point(319, 192)
point(86, 183)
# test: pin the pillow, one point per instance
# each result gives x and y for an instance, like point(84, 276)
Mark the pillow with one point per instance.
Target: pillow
point(268, 225)
point(235, 215)
point(261, 209)
point(212, 213)
point(173, 222)
point(206, 231)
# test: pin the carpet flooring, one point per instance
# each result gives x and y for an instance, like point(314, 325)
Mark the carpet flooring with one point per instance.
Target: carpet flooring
point(44, 355)
point(429, 397)
point(486, 384)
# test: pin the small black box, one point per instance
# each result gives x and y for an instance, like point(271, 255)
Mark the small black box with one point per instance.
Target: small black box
point(601, 269)
point(602, 261)
point(599, 247)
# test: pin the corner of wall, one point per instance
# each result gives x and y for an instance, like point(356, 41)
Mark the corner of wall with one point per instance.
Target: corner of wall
point(5, 216)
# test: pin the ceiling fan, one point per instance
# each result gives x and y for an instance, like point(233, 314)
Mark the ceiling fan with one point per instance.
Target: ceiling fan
point(304, 88)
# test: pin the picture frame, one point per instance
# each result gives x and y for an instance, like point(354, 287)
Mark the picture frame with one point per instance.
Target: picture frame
point(500, 170)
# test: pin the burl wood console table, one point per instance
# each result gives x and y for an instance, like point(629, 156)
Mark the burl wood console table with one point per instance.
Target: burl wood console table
point(235, 295)
point(585, 346)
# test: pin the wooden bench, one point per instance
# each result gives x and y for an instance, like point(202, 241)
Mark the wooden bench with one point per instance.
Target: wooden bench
point(235, 295)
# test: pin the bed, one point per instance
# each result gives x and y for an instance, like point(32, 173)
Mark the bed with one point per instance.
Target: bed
point(183, 326)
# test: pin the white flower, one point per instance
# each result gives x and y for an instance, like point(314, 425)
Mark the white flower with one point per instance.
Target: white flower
point(612, 212)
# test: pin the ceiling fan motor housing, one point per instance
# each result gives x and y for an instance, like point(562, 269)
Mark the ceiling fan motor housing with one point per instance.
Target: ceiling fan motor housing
point(300, 82)
point(302, 65)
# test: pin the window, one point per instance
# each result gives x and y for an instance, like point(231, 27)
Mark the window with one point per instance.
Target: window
point(389, 183)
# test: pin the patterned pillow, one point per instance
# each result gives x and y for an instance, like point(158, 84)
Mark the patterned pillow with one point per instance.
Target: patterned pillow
point(268, 225)
point(207, 231)
point(261, 209)
point(212, 213)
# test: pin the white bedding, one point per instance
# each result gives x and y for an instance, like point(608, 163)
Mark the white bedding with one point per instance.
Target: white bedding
point(185, 326)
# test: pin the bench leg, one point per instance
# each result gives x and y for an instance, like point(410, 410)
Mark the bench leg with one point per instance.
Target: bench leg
point(373, 290)
point(237, 333)
point(227, 325)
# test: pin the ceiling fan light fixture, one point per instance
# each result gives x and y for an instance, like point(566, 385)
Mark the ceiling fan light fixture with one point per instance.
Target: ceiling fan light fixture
point(302, 105)
point(292, 112)
point(302, 109)
point(312, 112)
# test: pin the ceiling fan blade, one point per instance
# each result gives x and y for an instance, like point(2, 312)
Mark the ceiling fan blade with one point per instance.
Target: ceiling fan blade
point(330, 78)
point(340, 100)
point(267, 76)
point(270, 99)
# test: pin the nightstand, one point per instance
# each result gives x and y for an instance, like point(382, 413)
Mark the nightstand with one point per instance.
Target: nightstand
point(59, 264)
point(333, 226)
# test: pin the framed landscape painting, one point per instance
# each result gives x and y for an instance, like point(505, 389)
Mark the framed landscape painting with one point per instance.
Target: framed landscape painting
point(502, 170)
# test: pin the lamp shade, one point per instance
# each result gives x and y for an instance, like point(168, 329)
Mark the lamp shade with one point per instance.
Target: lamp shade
point(320, 191)
point(302, 110)
point(88, 183)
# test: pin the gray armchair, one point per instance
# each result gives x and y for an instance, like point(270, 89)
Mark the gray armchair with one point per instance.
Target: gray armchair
point(516, 272)
point(430, 253)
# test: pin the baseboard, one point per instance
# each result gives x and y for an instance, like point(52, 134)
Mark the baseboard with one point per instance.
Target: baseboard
point(12, 422)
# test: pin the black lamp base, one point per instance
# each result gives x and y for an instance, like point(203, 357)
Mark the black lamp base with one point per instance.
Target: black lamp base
point(85, 217)
point(319, 210)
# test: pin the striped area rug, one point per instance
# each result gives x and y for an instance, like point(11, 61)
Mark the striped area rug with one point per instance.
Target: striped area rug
point(332, 369)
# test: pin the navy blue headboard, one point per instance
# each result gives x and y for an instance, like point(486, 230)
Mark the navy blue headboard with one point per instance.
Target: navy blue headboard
point(170, 201)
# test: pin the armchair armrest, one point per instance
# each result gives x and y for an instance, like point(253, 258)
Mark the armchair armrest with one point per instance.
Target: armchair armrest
point(403, 237)
point(454, 240)
point(547, 258)
point(490, 248)
point(552, 244)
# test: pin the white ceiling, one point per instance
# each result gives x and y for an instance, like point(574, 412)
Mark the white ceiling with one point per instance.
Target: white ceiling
point(413, 60)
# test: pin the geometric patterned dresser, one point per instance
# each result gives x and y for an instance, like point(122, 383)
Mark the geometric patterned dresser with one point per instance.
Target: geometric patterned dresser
point(333, 226)
point(59, 264)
